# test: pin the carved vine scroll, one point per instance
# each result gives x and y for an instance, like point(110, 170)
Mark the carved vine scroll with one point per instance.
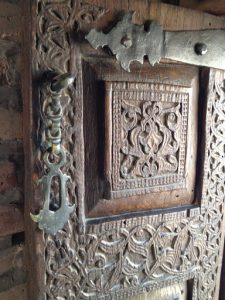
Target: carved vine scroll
point(118, 259)
point(149, 137)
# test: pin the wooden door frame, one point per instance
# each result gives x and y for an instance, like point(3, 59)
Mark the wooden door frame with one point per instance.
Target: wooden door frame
point(49, 257)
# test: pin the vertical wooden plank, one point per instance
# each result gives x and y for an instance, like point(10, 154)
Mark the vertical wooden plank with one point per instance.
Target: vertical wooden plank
point(34, 250)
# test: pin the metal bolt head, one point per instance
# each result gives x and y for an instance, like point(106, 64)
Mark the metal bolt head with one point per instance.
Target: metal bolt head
point(200, 49)
point(61, 82)
point(126, 41)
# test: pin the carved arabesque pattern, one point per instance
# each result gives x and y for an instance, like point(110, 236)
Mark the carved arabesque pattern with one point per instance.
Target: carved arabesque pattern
point(213, 185)
point(89, 13)
point(126, 257)
point(140, 256)
point(158, 149)
point(149, 137)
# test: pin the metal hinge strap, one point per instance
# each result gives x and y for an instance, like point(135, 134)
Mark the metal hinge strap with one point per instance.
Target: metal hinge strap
point(130, 42)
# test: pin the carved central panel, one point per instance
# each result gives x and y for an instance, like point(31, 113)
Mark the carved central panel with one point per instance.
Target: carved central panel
point(149, 137)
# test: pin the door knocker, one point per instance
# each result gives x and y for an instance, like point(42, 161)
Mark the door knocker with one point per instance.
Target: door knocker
point(48, 219)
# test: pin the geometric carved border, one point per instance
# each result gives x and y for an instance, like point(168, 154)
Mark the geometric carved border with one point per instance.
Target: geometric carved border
point(122, 258)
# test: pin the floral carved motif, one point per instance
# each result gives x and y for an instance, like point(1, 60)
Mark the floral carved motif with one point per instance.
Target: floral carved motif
point(118, 259)
point(149, 136)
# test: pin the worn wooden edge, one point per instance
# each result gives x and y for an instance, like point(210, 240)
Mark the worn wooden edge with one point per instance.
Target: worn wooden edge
point(213, 7)
point(171, 17)
point(11, 220)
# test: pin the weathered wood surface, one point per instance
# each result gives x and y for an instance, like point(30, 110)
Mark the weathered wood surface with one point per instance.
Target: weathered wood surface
point(12, 263)
point(11, 258)
point(10, 125)
point(8, 177)
point(11, 219)
point(117, 243)
point(18, 292)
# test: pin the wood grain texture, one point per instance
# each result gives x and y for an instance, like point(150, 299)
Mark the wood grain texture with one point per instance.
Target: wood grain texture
point(170, 17)
point(10, 20)
point(210, 6)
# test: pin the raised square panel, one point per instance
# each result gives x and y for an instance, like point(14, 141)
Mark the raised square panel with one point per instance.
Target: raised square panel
point(149, 145)
point(141, 132)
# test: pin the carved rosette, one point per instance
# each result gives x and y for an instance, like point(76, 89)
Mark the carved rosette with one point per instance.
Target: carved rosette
point(123, 258)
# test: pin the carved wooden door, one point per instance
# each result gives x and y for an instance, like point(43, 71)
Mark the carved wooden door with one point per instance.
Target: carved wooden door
point(145, 153)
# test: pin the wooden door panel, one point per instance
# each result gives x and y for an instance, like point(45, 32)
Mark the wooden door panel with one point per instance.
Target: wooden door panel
point(130, 233)
point(153, 181)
